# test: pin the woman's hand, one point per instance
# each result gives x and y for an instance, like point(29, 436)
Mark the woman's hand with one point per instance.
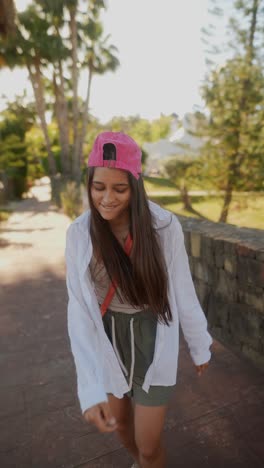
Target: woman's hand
point(200, 369)
point(101, 416)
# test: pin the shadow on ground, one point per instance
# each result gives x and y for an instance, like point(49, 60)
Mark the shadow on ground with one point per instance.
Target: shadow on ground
point(215, 420)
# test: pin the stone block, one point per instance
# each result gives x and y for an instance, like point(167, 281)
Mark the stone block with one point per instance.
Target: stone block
point(202, 291)
point(226, 286)
point(250, 271)
point(252, 296)
point(246, 324)
point(242, 276)
point(230, 247)
point(245, 251)
point(230, 265)
point(195, 244)
point(203, 272)
point(219, 253)
point(207, 251)
point(199, 270)
point(225, 337)
point(217, 312)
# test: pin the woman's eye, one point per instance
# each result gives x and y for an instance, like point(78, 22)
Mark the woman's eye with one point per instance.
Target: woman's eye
point(101, 189)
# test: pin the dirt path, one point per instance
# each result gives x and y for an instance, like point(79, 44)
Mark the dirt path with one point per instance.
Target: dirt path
point(33, 236)
point(213, 421)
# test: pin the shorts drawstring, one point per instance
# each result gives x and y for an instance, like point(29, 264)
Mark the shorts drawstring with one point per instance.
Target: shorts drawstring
point(132, 351)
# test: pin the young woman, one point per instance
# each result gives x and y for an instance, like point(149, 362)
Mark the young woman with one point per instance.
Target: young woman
point(129, 287)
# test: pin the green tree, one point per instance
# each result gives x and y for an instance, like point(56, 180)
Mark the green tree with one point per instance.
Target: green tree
point(15, 121)
point(32, 47)
point(99, 57)
point(142, 130)
point(185, 170)
point(234, 96)
point(54, 40)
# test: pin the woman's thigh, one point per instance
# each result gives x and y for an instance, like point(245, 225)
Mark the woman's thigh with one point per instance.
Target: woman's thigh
point(122, 410)
point(149, 423)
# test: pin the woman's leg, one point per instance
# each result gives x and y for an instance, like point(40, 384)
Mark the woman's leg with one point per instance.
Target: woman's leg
point(122, 409)
point(149, 424)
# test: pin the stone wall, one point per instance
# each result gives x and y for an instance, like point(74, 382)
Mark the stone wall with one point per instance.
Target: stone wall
point(227, 265)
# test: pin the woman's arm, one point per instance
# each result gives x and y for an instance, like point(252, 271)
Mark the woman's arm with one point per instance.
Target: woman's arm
point(82, 332)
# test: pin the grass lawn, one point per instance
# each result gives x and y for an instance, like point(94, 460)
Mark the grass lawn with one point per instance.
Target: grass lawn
point(246, 209)
point(158, 183)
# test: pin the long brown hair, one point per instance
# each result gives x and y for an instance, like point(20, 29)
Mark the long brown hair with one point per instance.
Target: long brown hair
point(142, 277)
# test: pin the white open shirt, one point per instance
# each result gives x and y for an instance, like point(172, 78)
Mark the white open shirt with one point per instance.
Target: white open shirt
point(97, 367)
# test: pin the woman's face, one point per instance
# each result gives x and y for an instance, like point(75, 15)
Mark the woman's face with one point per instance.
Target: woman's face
point(111, 193)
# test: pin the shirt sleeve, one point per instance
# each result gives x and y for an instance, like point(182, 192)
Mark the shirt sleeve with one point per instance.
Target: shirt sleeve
point(82, 333)
point(191, 316)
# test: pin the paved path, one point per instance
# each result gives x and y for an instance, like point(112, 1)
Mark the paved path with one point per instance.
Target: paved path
point(215, 421)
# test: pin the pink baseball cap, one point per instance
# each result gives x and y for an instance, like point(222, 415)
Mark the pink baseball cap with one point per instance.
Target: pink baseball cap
point(127, 154)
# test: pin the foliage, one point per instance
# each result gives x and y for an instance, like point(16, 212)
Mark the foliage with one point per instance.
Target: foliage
point(235, 145)
point(233, 153)
point(142, 130)
point(15, 121)
point(71, 200)
point(54, 41)
point(183, 170)
point(36, 154)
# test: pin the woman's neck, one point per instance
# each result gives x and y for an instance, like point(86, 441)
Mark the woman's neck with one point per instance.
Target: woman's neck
point(120, 229)
point(120, 224)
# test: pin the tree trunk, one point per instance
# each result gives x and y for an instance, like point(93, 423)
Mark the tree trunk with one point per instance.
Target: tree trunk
point(73, 35)
point(62, 118)
point(253, 27)
point(8, 18)
point(227, 201)
point(85, 116)
point(187, 205)
point(185, 197)
point(238, 157)
point(37, 84)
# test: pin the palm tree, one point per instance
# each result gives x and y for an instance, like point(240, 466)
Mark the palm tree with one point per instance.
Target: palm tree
point(55, 12)
point(100, 58)
point(93, 9)
point(39, 48)
point(41, 45)
point(7, 18)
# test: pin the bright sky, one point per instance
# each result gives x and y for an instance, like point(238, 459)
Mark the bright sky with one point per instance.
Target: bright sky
point(161, 54)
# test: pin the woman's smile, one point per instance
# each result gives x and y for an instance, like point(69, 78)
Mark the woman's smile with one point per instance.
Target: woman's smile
point(108, 208)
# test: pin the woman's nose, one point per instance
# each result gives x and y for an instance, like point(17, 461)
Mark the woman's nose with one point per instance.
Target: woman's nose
point(108, 197)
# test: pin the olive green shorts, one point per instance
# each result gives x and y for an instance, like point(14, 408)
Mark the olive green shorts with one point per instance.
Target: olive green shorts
point(133, 339)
